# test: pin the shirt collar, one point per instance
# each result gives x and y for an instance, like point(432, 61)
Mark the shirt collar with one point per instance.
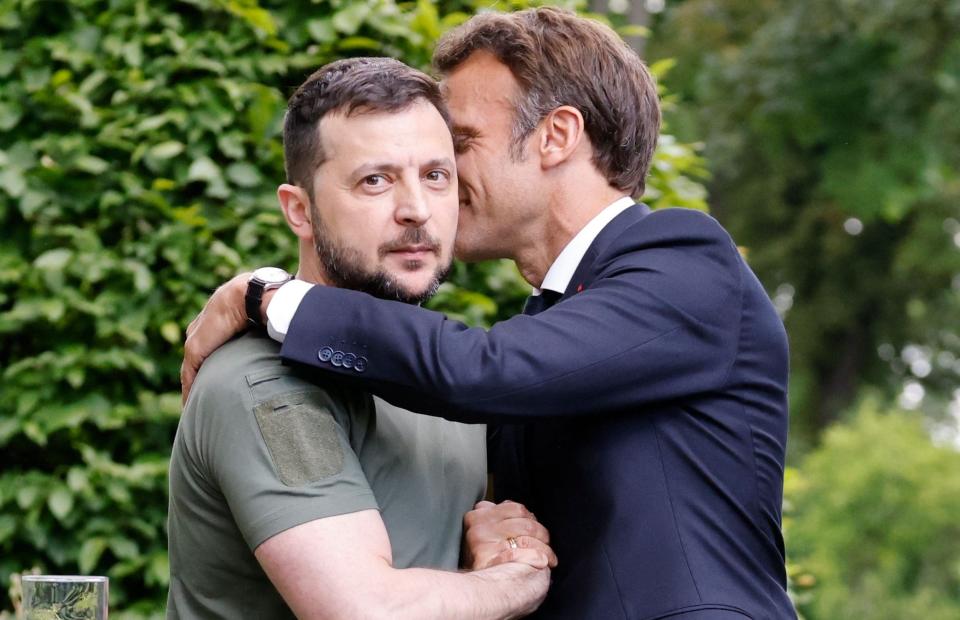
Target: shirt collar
point(562, 270)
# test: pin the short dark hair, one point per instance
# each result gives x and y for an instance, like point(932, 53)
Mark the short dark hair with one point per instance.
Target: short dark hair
point(560, 59)
point(354, 86)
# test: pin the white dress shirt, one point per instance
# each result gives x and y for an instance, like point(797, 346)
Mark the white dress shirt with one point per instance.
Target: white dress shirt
point(287, 299)
point(283, 306)
point(562, 270)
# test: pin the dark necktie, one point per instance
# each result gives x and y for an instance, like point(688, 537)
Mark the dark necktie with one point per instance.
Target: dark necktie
point(538, 303)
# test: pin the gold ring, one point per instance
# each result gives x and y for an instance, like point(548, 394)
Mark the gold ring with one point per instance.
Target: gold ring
point(512, 542)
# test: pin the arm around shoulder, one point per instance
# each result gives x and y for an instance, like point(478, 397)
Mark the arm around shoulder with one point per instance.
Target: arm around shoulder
point(658, 318)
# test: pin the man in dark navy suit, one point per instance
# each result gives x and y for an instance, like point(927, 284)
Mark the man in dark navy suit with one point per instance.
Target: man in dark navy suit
point(640, 401)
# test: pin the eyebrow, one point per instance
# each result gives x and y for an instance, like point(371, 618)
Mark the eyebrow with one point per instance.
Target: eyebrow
point(465, 131)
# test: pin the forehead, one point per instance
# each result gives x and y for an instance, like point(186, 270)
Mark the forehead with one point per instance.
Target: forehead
point(479, 86)
point(403, 137)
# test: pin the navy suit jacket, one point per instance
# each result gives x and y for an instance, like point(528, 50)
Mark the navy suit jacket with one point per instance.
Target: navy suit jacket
point(642, 418)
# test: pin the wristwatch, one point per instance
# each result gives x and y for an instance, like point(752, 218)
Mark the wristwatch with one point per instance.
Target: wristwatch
point(263, 279)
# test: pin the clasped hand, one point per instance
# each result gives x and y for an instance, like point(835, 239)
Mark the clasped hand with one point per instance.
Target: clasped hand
point(505, 532)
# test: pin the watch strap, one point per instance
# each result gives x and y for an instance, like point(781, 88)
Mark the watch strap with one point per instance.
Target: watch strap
point(252, 301)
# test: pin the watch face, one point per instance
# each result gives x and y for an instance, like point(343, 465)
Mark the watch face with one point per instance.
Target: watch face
point(270, 275)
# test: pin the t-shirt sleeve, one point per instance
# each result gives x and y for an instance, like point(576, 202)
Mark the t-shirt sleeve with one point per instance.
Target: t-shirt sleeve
point(278, 451)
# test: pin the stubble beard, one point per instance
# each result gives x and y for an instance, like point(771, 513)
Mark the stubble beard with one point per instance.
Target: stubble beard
point(343, 266)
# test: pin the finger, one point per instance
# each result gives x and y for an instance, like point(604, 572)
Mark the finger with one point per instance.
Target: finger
point(531, 557)
point(491, 513)
point(482, 511)
point(510, 508)
point(186, 382)
point(481, 529)
point(478, 508)
point(189, 368)
point(192, 325)
point(516, 527)
point(527, 542)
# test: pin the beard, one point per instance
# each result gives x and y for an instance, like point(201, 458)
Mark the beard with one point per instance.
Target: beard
point(343, 265)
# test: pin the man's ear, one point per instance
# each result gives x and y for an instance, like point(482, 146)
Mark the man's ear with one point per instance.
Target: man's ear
point(295, 205)
point(561, 134)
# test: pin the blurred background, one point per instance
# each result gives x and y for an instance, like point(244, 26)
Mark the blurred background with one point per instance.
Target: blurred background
point(139, 154)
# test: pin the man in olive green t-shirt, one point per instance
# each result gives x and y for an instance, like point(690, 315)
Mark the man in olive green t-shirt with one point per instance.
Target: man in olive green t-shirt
point(291, 497)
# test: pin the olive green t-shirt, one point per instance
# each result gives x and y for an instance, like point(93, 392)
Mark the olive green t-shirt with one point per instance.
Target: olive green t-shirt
point(261, 449)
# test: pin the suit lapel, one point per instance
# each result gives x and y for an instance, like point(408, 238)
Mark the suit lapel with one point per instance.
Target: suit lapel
point(583, 276)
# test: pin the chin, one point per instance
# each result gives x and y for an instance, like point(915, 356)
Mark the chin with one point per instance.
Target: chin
point(414, 288)
point(470, 252)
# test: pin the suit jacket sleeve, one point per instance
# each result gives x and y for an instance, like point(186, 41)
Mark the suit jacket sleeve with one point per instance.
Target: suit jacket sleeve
point(659, 320)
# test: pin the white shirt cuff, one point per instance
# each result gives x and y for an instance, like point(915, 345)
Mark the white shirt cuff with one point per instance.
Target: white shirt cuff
point(283, 306)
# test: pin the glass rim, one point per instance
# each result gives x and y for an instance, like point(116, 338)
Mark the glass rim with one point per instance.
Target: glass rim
point(65, 578)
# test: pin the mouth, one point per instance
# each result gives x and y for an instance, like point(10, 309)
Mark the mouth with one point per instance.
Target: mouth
point(413, 252)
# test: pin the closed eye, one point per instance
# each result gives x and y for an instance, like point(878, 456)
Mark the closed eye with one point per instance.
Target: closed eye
point(463, 138)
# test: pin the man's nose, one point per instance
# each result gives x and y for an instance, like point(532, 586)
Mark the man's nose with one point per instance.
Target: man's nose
point(411, 208)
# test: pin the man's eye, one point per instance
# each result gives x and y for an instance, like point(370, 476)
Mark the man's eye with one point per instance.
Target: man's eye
point(462, 142)
point(436, 176)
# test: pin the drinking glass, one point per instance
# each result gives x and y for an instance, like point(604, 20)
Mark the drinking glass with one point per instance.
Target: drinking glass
point(64, 597)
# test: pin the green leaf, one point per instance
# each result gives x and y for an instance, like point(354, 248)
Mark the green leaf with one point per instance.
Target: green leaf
point(165, 150)
point(35, 78)
point(427, 20)
point(8, 61)
point(633, 30)
point(171, 332)
point(54, 260)
point(60, 502)
point(260, 19)
point(265, 110)
point(31, 202)
point(91, 164)
point(12, 182)
point(27, 496)
point(158, 569)
point(359, 43)
point(204, 169)
point(8, 527)
point(662, 67)
point(123, 547)
point(348, 19)
point(89, 555)
point(231, 145)
point(78, 480)
point(10, 115)
point(322, 30)
point(244, 174)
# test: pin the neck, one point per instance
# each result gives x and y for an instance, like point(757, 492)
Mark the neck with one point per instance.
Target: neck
point(309, 269)
point(569, 208)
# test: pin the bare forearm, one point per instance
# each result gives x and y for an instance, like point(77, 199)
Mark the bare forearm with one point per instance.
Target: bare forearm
point(504, 591)
point(497, 593)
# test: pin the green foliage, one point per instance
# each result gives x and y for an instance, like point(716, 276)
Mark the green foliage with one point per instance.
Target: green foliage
point(832, 138)
point(139, 155)
point(872, 529)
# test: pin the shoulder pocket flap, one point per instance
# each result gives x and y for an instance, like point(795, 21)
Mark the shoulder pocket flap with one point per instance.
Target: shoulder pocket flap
point(303, 438)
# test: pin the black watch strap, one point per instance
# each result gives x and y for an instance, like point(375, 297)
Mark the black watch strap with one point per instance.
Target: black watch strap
point(263, 279)
point(252, 301)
